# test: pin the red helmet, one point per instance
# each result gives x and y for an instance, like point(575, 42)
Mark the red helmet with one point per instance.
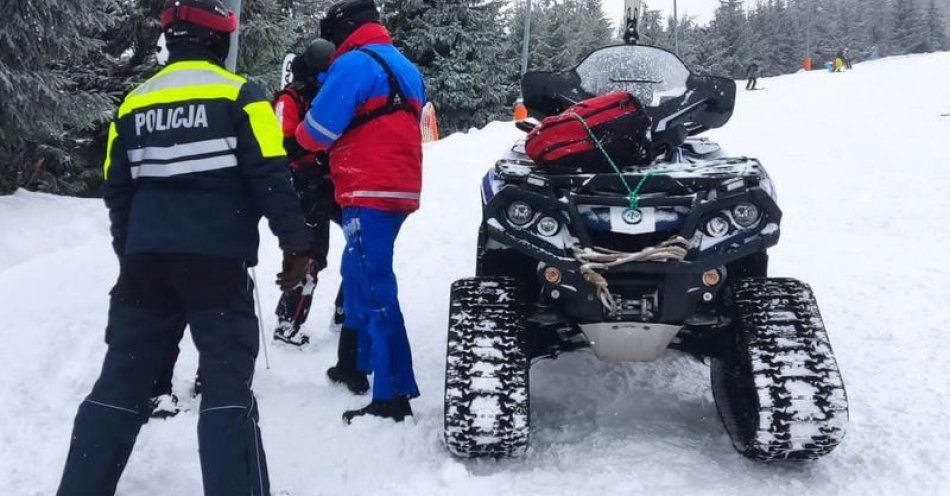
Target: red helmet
point(210, 14)
point(204, 23)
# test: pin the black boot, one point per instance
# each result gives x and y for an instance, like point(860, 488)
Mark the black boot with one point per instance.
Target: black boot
point(345, 372)
point(355, 381)
point(397, 409)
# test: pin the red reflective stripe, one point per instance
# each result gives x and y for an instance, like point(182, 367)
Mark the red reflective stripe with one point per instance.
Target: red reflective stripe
point(201, 17)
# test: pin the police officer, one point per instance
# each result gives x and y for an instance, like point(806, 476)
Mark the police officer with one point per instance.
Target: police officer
point(194, 158)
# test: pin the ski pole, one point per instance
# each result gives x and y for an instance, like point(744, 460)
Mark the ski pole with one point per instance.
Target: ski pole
point(260, 322)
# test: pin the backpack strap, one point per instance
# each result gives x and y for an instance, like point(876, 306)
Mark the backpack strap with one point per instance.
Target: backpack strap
point(397, 101)
point(295, 93)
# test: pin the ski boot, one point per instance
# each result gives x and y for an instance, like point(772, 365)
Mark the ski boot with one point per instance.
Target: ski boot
point(292, 311)
point(345, 371)
point(288, 333)
point(396, 409)
point(164, 406)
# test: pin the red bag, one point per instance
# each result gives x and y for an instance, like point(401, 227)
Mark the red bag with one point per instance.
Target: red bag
point(617, 120)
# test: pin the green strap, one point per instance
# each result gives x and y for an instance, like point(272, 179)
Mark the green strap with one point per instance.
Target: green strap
point(633, 194)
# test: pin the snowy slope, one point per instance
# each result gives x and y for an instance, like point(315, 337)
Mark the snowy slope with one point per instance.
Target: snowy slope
point(860, 161)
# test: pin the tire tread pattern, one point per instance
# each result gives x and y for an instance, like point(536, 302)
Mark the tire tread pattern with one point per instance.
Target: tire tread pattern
point(487, 410)
point(780, 395)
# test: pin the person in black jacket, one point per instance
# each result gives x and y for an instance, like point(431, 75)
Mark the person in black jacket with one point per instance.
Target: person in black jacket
point(753, 76)
point(194, 158)
point(311, 179)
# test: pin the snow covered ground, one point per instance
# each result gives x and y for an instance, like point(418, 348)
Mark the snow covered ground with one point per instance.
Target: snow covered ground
point(861, 164)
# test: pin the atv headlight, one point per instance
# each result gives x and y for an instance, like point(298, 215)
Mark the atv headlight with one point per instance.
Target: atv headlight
point(520, 213)
point(548, 226)
point(746, 214)
point(717, 227)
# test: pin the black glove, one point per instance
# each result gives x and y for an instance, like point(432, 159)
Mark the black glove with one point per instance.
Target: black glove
point(295, 267)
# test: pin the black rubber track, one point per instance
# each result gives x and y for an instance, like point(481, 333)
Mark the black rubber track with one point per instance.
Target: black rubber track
point(779, 391)
point(487, 368)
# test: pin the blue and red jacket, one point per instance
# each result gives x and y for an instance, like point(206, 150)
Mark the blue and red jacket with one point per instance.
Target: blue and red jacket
point(377, 164)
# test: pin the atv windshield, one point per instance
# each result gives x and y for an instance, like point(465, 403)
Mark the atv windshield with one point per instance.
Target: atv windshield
point(650, 74)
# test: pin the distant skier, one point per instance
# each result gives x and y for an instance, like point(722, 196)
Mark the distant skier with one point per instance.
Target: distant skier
point(839, 61)
point(310, 173)
point(367, 115)
point(194, 158)
point(752, 74)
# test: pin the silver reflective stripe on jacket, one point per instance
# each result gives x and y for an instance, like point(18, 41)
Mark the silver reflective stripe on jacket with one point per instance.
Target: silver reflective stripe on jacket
point(396, 195)
point(183, 150)
point(320, 128)
point(184, 166)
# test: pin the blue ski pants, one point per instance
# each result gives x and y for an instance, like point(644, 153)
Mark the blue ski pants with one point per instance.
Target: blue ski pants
point(371, 301)
point(154, 294)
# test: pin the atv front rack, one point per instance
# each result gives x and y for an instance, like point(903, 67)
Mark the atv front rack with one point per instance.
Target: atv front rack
point(698, 196)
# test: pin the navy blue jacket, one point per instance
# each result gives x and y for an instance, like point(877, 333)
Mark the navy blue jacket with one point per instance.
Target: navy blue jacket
point(195, 157)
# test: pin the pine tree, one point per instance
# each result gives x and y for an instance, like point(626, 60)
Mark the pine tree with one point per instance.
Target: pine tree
point(908, 32)
point(690, 36)
point(731, 36)
point(38, 82)
point(651, 27)
point(876, 27)
point(595, 26)
point(306, 14)
point(267, 28)
point(936, 34)
point(458, 46)
point(781, 51)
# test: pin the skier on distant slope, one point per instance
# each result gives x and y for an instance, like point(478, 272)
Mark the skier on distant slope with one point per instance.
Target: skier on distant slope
point(310, 174)
point(367, 115)
point(194, 159)
point(753, 76)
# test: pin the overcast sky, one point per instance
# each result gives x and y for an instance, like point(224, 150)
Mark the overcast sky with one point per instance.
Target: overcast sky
point(702, 10)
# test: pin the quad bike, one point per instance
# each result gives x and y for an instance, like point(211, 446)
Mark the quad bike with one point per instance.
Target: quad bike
point(570, 260)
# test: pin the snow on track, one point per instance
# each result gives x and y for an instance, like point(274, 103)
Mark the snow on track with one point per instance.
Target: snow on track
point(861, 167)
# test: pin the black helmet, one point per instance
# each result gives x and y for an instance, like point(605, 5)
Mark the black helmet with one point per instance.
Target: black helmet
point(306, 66)
point(345, 17)
point(319, 54)
point(206, 23)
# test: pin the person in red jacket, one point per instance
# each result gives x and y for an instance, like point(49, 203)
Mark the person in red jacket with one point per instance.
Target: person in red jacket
point(367, 116)
point(310, 172)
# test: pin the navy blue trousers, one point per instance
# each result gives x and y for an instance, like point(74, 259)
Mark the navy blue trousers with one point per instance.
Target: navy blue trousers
point(155, 293)
point(371, 301)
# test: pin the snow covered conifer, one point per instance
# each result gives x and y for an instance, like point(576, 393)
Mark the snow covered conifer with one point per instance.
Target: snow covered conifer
point(782, 51)
point(457, 45)
point(909, 28)
point(936, 31)
point(37, 102)
point(731, 35)
point(266, 36)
